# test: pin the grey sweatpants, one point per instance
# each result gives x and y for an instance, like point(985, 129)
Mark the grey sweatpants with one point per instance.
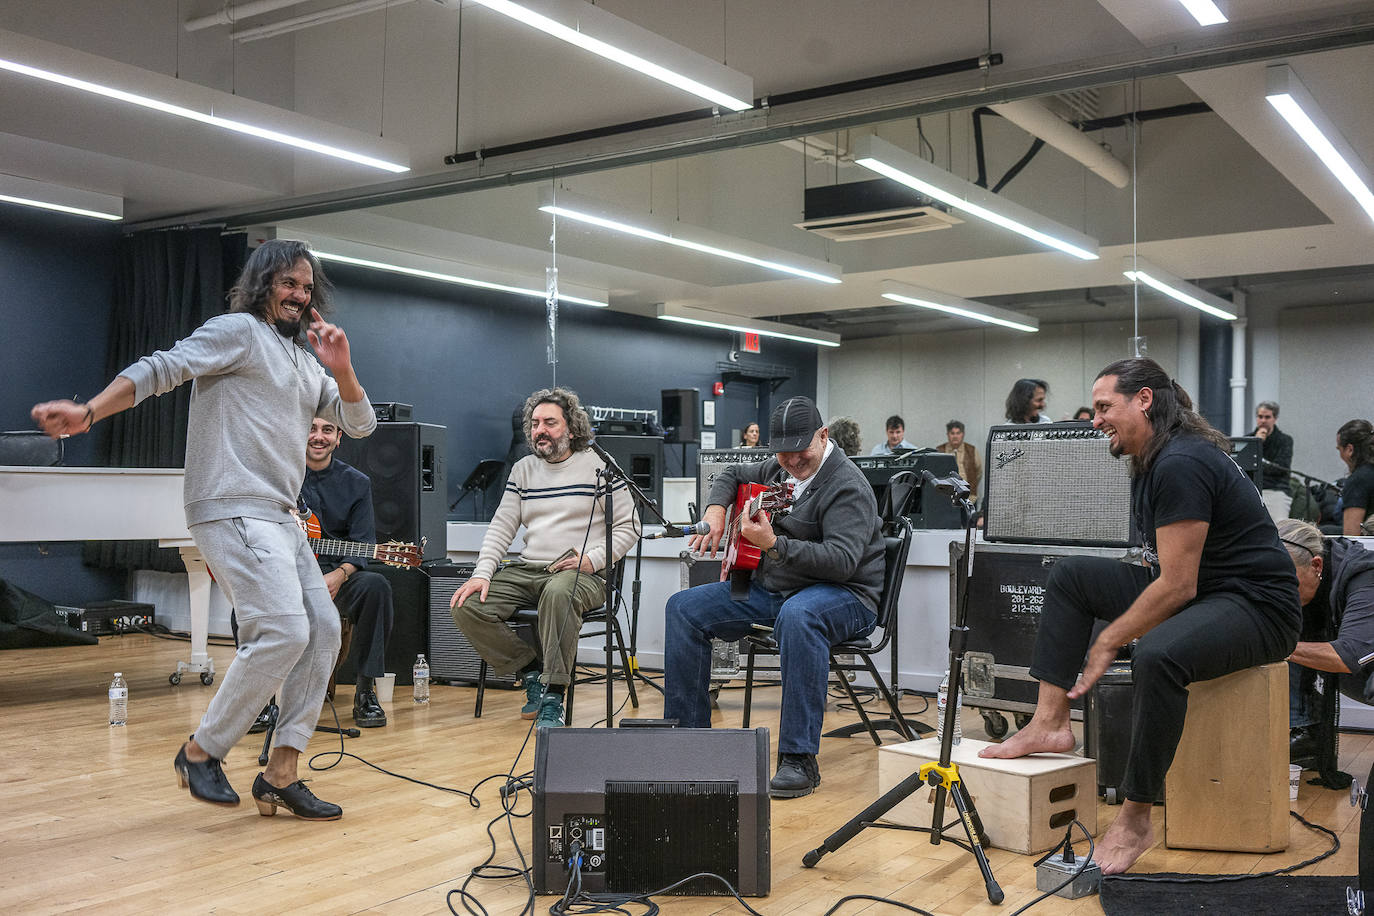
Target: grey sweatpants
point(288, 631)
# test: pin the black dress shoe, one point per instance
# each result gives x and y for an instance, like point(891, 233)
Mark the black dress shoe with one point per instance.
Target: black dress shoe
point(1302, 742)
point(263, 722)
point(797, 775)
point(295, 798)
point(205, 779)
point(367, 711)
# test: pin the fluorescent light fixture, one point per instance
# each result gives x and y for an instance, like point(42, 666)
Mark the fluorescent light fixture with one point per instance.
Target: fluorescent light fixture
point(954, 305)
point(1206, 12)
point(30, 193)
point(593, 29)
point(705, 318)
point(1152, 275)
point(694, 238)
point(360, 254)
point(1291, 99)
point(20, 54)
point(893, 162)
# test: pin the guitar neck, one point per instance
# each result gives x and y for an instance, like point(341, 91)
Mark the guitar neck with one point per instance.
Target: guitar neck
point(333, 548)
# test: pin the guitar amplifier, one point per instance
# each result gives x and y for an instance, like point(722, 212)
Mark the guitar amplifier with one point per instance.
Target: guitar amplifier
point(451, 657)
point(712, 462)
point(1056, 483)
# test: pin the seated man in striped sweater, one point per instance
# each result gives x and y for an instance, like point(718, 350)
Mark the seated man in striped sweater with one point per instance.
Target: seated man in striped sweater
point(562, 569)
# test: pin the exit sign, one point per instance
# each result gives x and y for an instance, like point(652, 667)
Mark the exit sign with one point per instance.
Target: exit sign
point(751, 342)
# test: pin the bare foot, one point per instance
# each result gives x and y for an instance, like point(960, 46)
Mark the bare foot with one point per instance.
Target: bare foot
point(1126, 840)
point(1037, 737)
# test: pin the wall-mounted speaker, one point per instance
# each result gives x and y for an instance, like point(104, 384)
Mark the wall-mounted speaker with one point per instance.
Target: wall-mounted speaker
point(681, 415)
point(1056, 483)
point(405, 462)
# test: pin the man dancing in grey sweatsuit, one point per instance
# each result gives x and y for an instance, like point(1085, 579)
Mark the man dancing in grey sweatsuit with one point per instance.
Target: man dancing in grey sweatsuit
point(256, 391)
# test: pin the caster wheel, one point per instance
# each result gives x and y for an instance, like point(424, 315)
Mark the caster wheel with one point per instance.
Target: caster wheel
point(1022, 719)
point(1110, 795)
point(207, 678)
point(174, 679)
point(995, 724)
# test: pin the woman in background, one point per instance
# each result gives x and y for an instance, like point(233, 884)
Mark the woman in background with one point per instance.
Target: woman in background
point(1355, 442)
point(750, 437)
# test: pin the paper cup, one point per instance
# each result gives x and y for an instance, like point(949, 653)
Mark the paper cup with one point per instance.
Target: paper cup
point(1294, 777)
point(386, 685)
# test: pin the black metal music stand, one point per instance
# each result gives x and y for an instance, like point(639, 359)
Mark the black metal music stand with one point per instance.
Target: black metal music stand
point(481, 477)
point(942, 775)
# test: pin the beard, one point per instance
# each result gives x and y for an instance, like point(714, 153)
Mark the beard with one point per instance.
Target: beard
point(551, 449)
point(287, 327)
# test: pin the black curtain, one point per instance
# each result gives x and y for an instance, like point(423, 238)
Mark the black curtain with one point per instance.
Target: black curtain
point(167, 284)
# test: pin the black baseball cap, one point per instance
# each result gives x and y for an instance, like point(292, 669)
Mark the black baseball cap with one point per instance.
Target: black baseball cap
point(793, 425)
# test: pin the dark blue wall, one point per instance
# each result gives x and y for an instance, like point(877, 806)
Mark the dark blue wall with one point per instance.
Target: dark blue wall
point(465, 359)
point(56, 285)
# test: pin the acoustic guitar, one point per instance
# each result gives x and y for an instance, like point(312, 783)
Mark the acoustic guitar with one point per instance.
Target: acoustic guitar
point(742, 557)
point(392, 553)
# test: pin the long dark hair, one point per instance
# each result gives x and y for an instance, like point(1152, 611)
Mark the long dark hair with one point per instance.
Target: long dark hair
point(579, 424)
point(1020, 397)
point(1171, 413)
point(1360, 434)
point(253, 290)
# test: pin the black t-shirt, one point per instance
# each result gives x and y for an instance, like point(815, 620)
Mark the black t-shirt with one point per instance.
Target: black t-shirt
point(1192, 479)
point(341, 498)
point(1358, 492)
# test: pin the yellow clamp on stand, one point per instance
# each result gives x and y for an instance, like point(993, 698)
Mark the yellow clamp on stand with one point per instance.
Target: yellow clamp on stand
point(948, 775)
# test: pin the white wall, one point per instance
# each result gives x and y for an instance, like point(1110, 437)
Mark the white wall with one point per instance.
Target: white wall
point(929, 379)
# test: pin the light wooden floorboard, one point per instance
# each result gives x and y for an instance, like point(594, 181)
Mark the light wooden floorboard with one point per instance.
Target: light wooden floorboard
point(91, 819)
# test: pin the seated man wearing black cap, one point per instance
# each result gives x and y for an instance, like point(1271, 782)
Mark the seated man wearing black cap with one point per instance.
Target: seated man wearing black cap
point(817, 584)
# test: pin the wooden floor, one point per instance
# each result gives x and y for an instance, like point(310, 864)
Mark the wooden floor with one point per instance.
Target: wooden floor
point(91, 818)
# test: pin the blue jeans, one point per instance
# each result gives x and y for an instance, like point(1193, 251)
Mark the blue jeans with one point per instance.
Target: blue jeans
point(805, 625)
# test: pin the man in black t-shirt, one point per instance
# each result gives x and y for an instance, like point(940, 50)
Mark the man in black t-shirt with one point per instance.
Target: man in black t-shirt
point(341, 498)
point(1219, 594)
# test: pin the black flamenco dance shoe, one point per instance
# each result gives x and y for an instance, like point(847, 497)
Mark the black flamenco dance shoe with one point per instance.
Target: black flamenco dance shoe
point(205, 779)
point(295, 798)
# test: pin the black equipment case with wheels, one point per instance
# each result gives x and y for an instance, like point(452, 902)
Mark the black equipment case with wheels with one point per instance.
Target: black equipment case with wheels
point(1107, 729)
point(1006, 595)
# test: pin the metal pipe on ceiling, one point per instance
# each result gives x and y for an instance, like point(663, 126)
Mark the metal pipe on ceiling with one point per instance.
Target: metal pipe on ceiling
point(310, 20)
point(228, 15)
point(1037, 120)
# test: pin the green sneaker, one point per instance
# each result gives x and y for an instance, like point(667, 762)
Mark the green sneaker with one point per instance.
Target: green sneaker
point(534, 696)
point(550, 712)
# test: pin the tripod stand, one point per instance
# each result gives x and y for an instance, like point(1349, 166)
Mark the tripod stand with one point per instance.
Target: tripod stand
point(942, 775)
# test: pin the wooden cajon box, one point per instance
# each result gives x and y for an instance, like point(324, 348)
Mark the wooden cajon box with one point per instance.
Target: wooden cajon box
point(1228, 786)
point(1025, 805)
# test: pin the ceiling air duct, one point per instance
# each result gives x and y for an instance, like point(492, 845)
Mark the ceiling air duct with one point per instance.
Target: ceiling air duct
point(878, 209)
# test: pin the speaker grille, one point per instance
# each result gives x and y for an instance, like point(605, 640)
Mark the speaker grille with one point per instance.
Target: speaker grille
point(660, 832)
point(451, 656)
point(1056, 483)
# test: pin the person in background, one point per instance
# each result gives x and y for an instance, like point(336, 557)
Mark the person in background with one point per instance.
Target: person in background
point(1026, 401)
point(750, 437)
point(896, 437)
point(1084, 414)
point(1355, 442)
point(844, 432)
point(1277, 450)
point(965, 455)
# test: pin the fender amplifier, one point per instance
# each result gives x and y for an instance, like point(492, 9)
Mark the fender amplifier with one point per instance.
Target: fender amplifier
point(711, 462)
point(452, 659)
point(1056, 483)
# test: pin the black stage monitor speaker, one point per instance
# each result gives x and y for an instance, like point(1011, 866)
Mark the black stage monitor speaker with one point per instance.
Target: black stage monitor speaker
point(680, 415)
point(642, 458)
point(405, 462)
point(651, 806)
point(451, 657)
point(1056, 483)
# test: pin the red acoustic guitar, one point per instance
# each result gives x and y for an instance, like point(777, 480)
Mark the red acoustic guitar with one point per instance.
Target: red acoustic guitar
point(742, 557)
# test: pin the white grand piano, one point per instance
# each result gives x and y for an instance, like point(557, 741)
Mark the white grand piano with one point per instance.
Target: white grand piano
point(111, 504)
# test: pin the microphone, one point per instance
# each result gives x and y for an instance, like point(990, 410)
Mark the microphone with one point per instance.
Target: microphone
point(681, 531)
point(954, 485)
point(606, 457)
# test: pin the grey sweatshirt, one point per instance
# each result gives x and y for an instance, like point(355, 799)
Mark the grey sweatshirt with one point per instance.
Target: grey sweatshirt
point(254, 397)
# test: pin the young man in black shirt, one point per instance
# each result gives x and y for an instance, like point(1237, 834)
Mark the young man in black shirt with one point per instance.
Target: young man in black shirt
point(341, 498)
point(1277, 451)
point(1219, 595)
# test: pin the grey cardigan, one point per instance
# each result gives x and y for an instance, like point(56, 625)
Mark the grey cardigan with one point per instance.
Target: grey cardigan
point(832, 534)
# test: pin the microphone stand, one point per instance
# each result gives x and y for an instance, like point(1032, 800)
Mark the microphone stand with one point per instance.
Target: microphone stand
point(942, 775)
point(641, 499)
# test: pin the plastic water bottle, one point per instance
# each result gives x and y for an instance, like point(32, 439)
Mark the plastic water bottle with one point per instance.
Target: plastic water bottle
point(119, 701)
point(942, 700)
point(420, 677)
